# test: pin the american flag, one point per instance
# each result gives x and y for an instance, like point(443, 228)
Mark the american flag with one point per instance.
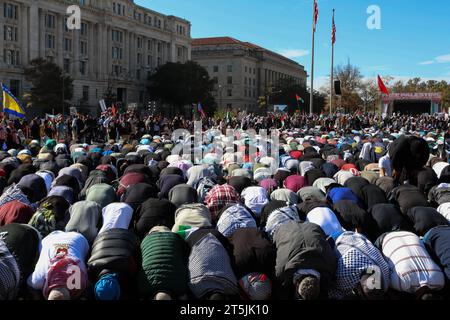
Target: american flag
point(316, 14)
point(200, 109)
point(333, 33)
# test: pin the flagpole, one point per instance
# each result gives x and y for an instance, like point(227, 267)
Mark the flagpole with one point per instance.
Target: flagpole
point(311, 96)
point(332, 68)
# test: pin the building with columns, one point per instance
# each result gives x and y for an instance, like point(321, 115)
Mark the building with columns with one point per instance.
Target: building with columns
point(243, 71)
point(117, 47)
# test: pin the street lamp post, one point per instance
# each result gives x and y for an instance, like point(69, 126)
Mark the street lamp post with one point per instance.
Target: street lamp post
point(220, 96)
point(63, 82)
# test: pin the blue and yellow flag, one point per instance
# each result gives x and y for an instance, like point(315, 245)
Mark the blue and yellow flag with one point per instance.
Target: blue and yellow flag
point(11, 105)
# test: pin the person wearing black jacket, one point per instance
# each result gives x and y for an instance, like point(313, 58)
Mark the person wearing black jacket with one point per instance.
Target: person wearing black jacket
point(114, 263)
point(252, 252)
point(306, 263)
point(19, 253)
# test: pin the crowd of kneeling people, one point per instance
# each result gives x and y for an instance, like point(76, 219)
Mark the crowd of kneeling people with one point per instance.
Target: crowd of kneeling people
point(133, 221)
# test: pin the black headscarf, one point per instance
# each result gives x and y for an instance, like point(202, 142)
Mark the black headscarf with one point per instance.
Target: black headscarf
point(171, 170)
point(356, 184)
point(389, 218)
point(372, 195)
point(23, 242)
point(162, 165)
point(8, 168)
point(445, 175)
point(426, 179)
point(407, 197)
point(139, 193)
point(317, 162)
point(408, 153)
point(352, 216)
point(51, 166)
point(330, 169)
point(313, 175)
point(425, 219)
point(34, 186)
point(240, 183)
point(63, 161)
point(20, 172)
point(183, 194)
point(252, 252)
point(167, 182)
point(69, 181)
point(152, 213)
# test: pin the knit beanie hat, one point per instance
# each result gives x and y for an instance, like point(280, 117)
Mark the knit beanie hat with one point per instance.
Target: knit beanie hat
point(256, 286)
point(108, 287)
point(50, 144)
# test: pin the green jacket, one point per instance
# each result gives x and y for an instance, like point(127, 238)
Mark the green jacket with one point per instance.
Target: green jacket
point(164, 265)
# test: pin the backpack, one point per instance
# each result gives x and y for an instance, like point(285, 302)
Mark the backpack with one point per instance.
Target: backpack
point(203, 186)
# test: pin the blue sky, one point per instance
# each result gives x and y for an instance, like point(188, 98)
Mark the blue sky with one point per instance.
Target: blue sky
point(414, 39)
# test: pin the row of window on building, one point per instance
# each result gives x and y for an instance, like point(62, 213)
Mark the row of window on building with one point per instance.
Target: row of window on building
point(250, 70)
point(250, 93)
point(249, 81)
point(119, 8)
point(118, 36)
point(181, 30)
point(10, 11)
point(229, 68)
point(50, 23)
point(10, 33)
point(148, 20)
point(11, 57)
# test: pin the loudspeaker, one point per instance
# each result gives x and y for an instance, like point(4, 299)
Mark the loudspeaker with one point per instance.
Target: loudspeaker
point(337, 88)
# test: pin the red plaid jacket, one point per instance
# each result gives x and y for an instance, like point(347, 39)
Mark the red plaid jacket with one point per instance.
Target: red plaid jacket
point(219, 197)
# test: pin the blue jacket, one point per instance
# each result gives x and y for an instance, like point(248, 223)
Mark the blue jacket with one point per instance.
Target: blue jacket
point(338, 194)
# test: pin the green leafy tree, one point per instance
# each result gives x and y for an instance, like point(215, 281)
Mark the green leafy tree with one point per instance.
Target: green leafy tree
point(351, 83)
point(369, 94)
point(181, 84)
point(47, 81)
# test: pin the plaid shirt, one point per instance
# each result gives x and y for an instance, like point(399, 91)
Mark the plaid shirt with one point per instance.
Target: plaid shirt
point(219, 197)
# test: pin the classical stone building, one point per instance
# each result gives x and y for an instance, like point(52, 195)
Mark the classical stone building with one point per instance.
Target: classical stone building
point(118, 45)
point(243, 71)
